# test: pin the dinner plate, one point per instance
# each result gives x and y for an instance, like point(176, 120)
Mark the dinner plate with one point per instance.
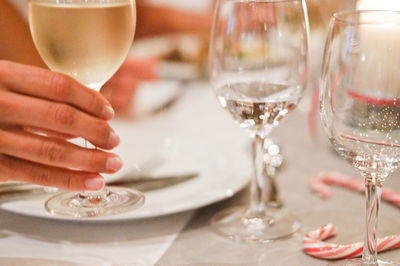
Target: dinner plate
point(197, 136)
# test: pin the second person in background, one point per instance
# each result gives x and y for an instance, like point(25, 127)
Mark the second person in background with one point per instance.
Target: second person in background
point(16, 43)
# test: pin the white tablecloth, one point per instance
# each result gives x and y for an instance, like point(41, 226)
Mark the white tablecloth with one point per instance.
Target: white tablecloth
point(186, 238)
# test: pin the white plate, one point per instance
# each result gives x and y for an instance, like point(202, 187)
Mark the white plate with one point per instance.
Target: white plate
point(196, 136)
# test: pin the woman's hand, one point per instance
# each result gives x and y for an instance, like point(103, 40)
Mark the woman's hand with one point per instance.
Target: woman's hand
point(34, 100)
point(120, 89)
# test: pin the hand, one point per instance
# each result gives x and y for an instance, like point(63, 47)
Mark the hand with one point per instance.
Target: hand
point(120, 89)
point(34, 100)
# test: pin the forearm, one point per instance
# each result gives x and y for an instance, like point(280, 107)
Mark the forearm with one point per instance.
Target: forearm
point(153, 20)
point(16, 43)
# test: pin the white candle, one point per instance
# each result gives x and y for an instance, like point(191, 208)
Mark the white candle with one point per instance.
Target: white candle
point(378, 71)
point(378, 5)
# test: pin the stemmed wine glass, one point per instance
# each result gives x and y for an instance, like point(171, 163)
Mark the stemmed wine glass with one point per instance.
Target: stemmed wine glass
point(87, 40)
point(360, 104)
point(258, 70)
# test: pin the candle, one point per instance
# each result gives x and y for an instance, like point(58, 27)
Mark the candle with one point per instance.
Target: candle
point(378, 70)
point(375, 74)
point(378, 5)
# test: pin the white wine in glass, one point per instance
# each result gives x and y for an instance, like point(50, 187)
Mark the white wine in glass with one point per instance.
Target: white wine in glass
point(87, 40)
point(262, 107)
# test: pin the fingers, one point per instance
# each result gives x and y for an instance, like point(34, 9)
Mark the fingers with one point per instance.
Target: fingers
point(122, 93)
point(38, 100)
point(25, 171)
point(24, 110)
point(120, 88)
point(45, 84)
point(140, 68)
point(122, 99)
point(48, 132)
point(57, 152)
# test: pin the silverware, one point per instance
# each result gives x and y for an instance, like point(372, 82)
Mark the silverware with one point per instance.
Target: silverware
point(148, 183)
point(170, 103)
point(182, 88)
point(141, 183)
point(137, 172)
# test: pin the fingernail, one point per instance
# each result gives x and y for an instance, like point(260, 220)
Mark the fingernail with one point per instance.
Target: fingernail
point(108, 112)
point(114, 164)
point(94, 183)
point(113, 140)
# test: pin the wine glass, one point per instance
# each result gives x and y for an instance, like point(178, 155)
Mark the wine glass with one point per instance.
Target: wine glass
point(258, 70)
point(87, 40)
point(360, 103)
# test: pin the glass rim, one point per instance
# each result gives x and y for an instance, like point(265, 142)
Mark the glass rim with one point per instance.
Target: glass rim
point(347, 17)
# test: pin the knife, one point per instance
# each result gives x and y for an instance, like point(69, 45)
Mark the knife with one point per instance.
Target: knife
point(146, 183)
point(143, 184)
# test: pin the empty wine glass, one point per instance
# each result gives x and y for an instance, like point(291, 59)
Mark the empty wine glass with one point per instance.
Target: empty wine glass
point(87, 40)
point(258, 70)
point(360, 104)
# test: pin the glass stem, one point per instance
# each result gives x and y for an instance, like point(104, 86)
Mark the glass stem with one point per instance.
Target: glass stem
point(100, 194)
point(258, 189)
point(93, 195)
point(373, 188)
point(273, 196)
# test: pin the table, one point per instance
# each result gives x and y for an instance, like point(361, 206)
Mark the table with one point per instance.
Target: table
point(186, 238)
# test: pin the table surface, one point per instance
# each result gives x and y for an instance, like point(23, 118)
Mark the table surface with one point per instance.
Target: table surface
point(186, 238)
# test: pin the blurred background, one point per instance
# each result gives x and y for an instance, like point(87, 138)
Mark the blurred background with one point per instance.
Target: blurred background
point(171, 46)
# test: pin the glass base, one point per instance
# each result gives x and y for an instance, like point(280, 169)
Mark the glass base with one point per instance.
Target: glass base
point(115, 200)
point(358, 262)
point(236, 224)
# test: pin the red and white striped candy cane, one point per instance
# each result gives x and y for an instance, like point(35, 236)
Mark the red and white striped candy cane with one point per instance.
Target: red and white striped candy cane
point(319, 185)
point(314, 245)
point(313, 242)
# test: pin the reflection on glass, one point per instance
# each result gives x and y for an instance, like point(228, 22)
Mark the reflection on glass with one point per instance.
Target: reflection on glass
point(258, 69)
point(360, 104)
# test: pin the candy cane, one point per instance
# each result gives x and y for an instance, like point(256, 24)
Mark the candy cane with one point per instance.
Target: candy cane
point(313, 242)
point(319, 185)
point(314, 246)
